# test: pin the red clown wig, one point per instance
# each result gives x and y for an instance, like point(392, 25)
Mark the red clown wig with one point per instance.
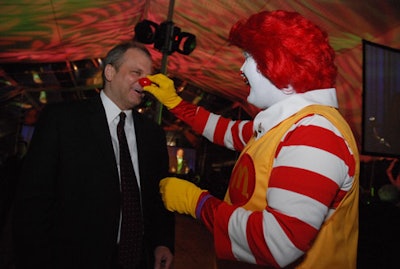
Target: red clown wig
point(288, 49)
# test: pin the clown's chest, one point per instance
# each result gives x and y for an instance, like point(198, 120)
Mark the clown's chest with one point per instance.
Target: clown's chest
point(249, 179)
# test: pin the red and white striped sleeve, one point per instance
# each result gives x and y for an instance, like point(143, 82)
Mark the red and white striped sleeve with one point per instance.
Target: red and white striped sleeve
point(313, 170)
point(225, 132)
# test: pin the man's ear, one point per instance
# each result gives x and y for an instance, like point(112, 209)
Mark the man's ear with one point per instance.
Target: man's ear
point(109, 72)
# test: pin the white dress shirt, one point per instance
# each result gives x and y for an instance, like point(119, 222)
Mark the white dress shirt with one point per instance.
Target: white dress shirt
point(112, 113)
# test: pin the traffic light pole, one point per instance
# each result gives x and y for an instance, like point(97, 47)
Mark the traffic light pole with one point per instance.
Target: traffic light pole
point(164, 61)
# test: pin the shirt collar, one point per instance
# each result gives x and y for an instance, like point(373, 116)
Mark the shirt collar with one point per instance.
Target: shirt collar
point(272, 116)
point(112, 110)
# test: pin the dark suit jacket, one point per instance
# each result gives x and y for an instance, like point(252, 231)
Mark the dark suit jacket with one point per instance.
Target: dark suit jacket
point(68, 201)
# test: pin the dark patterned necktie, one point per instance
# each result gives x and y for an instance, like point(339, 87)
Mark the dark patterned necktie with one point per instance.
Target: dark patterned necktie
point(131, 236)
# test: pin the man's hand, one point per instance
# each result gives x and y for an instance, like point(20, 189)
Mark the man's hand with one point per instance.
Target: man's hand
point(163, 258)
point(180, 195)
point(163, 89)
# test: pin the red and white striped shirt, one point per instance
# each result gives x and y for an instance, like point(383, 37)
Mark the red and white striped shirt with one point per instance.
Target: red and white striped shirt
point(313, 169)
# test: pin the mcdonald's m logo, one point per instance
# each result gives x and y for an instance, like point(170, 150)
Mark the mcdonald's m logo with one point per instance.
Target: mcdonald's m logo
point(242, 183)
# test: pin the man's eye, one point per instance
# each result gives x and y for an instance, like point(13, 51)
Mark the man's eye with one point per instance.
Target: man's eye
point(137, 72)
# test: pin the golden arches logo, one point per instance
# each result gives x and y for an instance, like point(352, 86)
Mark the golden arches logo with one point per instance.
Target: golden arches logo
point(242, 182)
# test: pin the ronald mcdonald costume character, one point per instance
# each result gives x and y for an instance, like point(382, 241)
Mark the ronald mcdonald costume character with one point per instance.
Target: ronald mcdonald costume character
point(292, 200)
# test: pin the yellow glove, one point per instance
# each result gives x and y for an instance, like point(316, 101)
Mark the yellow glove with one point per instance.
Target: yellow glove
point(164, 90)
point(180, 195)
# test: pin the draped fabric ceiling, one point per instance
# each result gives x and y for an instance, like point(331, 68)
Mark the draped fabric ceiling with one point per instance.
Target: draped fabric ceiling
point(70, 30)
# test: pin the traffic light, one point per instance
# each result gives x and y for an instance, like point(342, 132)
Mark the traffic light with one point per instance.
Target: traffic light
point(167, 37)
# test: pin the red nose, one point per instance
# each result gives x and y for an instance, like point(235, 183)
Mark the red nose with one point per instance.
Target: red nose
point(144, 82)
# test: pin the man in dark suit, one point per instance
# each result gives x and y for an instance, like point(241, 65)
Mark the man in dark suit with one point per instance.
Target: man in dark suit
point(67, 210)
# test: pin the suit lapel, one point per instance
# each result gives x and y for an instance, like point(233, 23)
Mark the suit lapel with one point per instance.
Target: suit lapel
point(98, 125)
point(141, 141)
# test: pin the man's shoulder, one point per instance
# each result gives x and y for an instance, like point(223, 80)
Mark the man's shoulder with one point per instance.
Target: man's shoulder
point(145, 120)
point(71, 105)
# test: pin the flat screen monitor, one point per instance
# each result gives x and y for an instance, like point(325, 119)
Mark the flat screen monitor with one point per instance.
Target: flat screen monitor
point(182, 161)
point(381, 100)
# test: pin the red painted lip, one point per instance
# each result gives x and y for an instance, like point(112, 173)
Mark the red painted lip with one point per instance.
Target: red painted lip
point(245, 80)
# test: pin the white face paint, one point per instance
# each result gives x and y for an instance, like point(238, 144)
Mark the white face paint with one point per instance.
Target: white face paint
point(263, 93)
